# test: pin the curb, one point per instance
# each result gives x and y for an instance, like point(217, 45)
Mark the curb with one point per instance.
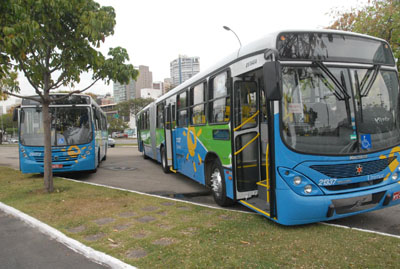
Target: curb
point(88, 252)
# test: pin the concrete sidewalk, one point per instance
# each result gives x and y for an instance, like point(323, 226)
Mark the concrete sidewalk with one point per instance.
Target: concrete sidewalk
point(22, 246)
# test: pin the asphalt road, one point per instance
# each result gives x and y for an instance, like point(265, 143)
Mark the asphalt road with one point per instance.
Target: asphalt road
point(126, 168)
point(22, 246)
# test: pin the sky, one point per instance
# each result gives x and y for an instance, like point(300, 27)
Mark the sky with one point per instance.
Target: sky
point(155, 32)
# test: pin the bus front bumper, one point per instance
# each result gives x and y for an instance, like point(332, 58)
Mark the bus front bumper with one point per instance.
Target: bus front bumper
point(294, 209)
point(30, 166)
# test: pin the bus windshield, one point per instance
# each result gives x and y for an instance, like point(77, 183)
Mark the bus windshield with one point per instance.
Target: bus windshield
point(69, 126)
point(337, 111)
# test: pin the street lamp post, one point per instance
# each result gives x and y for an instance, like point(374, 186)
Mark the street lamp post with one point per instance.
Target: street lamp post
point(240, 43)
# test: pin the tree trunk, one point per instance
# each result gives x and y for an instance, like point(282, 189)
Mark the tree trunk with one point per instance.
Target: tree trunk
point(48, 172)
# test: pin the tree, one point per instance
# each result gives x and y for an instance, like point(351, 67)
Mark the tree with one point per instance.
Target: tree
point(8, 82)
point(53, 42)
point(133, 106)
point(380, 18)
point(116, 124)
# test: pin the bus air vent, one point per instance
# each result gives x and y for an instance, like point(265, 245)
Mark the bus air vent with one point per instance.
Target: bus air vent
point(350, 170)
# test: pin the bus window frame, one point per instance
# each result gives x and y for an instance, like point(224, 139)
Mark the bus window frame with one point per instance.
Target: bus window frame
point(159, 121)
point(210, 100)
point(204, 103)
point(180, 108)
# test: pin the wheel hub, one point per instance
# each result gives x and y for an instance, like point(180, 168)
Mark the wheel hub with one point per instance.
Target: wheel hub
point(216, 182)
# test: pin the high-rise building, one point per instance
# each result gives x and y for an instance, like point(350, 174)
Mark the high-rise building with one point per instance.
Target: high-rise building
point(124, 92)
point(144, 80)
point(183, 68)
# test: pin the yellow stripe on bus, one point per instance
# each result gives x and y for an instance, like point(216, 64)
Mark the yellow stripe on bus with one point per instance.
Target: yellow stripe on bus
point(255, 208)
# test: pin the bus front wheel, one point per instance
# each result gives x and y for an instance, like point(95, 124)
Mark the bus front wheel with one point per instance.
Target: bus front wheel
point(218, 187)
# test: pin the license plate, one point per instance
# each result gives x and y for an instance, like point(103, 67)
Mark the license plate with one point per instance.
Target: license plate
point(57, 166)
point(396, 196)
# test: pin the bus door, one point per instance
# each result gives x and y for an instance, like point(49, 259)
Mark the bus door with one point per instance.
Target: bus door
point(250, 146)
point(246, 138)
point(168, 135)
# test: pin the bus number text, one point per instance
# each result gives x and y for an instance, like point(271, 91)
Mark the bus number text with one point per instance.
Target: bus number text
point(327, 181)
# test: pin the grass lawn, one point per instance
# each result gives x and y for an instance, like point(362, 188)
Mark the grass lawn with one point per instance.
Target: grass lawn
point(152, 232)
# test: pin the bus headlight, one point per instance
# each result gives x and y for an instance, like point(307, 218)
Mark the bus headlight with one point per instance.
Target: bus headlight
point(25, 156)
point(298, 182)
point(87, 152)
point(308, 189)
point(395, 176)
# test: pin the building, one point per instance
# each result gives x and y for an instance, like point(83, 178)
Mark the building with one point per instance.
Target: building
point(124, 92)
point(183, 68)
point(159, 85)
point(167, 84)
point(144, 79)
point(150, 93)
point(106, 100)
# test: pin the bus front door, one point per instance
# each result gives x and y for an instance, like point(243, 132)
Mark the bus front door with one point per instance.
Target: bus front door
point(249, 148)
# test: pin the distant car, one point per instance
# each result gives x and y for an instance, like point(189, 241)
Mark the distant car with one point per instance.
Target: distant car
point(119, 135)
point(13, 140)
point(111, 142)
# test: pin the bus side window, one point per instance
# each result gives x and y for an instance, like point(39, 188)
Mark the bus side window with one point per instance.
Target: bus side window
point(219, 99)
point(197, 104)
point(160, 116)
point(173, 112)
point(183, 116)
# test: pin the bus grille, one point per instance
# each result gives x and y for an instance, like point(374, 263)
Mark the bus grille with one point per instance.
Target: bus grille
point(350, 170)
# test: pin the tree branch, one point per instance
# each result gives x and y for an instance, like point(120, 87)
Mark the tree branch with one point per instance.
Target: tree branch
point(74, 92)
point(23, 97)
point(29, 79)
point(59, 81)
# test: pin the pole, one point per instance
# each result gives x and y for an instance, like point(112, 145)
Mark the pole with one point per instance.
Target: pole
point(240, 43)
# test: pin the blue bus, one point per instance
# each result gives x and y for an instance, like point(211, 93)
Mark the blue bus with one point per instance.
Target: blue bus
point(299, 126)
point(78, 135)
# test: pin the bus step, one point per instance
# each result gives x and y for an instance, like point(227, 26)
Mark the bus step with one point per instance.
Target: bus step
point(262, 190)
point(258, 205)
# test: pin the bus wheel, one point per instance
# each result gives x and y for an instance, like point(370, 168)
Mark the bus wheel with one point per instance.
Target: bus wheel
point(218, 188)
point(164, 163)
point(105, 156)
point(144, 154)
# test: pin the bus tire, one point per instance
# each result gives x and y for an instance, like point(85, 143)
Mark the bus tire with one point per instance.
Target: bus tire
point(144, 153)
point(218, 188)
point(105, 155)
point(164, 162)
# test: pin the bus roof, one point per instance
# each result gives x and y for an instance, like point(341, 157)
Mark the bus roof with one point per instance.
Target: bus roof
point(258, 46)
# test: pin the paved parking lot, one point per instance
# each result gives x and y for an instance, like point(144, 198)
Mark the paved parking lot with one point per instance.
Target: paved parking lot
point(125, 168)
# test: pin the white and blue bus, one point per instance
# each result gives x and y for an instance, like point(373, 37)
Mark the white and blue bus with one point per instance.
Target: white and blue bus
point(300, 126)
point(78, 135)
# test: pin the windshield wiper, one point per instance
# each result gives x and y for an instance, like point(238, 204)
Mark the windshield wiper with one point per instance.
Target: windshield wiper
point(371, 82)
point(342, 94)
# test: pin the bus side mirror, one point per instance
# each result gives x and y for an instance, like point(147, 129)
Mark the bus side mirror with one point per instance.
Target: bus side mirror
point(272, 80)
